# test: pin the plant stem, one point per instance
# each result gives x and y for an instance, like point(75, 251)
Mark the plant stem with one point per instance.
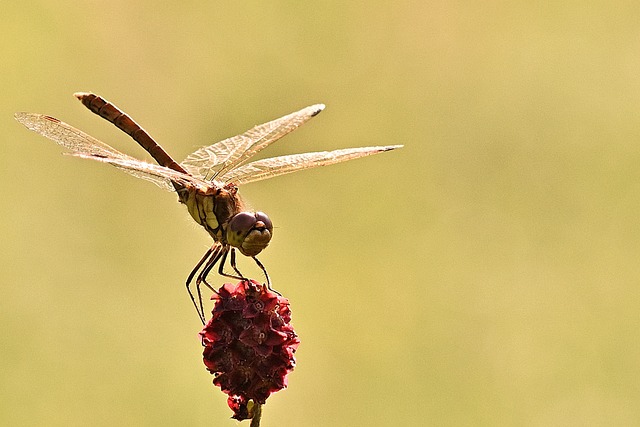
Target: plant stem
point(257, 414)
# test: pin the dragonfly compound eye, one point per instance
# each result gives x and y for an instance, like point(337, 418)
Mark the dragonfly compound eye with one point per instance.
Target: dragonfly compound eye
point(249, 232)
point(262, 217)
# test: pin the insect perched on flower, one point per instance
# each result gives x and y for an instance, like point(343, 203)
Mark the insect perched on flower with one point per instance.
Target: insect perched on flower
point(207, 180)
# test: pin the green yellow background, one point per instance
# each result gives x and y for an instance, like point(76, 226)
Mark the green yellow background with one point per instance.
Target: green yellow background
point(485, 274)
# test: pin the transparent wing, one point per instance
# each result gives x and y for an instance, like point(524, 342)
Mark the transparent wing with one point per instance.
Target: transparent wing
point(82, 145)
point(217, 159)
point(65, 135)
point(276, 166)
point(150, 172)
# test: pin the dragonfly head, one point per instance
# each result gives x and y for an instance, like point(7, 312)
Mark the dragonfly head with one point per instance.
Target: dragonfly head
point(250, 232)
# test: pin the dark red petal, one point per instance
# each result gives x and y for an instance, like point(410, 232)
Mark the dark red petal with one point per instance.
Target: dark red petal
point(238, 405)
point(249, 344)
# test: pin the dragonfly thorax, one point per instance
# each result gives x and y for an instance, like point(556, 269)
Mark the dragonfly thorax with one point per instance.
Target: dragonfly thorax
point(219, 211)
point(212, 209)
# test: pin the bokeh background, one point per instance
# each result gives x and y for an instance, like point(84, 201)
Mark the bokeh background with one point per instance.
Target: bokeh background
point(486, 274)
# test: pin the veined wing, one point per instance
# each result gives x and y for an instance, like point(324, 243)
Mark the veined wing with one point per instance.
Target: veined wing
point(66, 135)
point(82, 145)
point(276, 166)
point(154, 173)
point(221, 157)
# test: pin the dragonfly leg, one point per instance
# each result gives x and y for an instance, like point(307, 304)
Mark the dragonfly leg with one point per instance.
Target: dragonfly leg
point(233, 262)
point(190, 278)
point(221, 256)
point(216, 253)
point(266, 275)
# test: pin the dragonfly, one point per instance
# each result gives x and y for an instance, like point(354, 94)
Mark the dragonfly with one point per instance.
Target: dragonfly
point(207, 181)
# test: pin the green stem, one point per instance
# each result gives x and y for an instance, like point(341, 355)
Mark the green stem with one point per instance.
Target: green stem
point(257, 414)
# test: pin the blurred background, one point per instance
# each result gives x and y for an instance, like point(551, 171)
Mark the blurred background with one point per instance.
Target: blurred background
point(485, 274)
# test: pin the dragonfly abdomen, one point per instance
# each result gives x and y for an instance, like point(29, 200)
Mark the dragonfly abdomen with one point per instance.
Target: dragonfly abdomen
point(122, 121)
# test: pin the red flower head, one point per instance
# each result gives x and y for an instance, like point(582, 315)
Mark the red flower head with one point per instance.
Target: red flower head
point(249, 344)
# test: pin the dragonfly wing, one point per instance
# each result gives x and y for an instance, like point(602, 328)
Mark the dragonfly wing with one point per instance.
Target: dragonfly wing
point(205, 161)
point(276, 166)
point(159, 175)
point(66, 135)
point(221, 157)
point(82, 145)
point(160, 181)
